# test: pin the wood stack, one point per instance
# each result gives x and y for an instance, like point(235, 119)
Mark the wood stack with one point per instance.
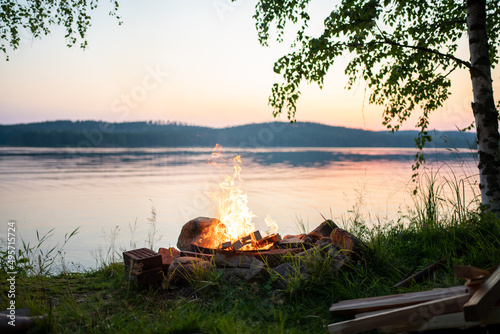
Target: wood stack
point(476, 304)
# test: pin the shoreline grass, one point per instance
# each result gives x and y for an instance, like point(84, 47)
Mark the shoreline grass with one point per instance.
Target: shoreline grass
point(99, 300)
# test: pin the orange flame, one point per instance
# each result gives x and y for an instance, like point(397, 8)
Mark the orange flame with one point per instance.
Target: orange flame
point(233, 211)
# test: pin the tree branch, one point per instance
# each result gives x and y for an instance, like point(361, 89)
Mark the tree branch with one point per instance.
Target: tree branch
point(413, 47)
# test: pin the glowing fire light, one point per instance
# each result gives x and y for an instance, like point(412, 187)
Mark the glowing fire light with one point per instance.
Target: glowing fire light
point(233, 212)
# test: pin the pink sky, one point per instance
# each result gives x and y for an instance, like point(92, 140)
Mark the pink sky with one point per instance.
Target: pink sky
point(197, 62)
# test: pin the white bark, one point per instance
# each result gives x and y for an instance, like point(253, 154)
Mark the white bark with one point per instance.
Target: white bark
point(485, 113)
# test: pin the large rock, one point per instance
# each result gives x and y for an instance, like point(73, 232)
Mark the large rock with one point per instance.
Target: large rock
point(275, 257)
point(286, 273)
point(199, 232)
point(349, 244)
point(324, 229)
point(232, 259)
point(256, 272)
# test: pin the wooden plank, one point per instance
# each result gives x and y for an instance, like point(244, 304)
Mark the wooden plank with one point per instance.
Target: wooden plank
point(484, 298)
point(353, 306)
point(408, 314)
point(445, 321)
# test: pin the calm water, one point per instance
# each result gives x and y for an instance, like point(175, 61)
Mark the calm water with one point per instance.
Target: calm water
point(106, 189)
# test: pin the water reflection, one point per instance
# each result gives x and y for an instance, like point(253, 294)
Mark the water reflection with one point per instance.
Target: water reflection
point(293, 157)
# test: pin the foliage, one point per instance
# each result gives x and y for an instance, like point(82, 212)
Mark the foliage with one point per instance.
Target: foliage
point(404, 51)
point(39, 17)
point(39, 259)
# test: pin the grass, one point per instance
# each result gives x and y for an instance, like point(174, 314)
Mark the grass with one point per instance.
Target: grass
point(99, 301)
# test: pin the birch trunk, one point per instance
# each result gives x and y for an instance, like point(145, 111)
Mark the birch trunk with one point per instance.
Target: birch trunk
point(485, 113)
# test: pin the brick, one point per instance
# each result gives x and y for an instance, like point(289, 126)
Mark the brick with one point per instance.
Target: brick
point(141, 259)
point(167, 256)
point(147, 277)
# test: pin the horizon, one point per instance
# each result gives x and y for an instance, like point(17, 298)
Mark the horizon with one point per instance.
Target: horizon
point(159, 65)
point(177, 123)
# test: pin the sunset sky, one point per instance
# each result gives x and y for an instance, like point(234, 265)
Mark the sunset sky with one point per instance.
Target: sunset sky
point(194, 61)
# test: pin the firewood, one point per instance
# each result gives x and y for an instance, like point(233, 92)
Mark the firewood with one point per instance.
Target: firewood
point(256, 236)
point(226, 244)
point(237, 245)
point(269, 239)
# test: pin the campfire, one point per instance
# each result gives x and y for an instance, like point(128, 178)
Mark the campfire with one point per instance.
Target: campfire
point(232, 242)
point(234, 229)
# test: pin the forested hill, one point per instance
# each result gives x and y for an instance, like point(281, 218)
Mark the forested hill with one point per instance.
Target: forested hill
point(274, 134)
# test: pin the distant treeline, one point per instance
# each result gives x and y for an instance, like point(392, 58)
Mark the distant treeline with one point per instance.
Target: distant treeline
point(274, 134)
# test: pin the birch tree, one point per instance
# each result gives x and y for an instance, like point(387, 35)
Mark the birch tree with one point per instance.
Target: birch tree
point(405, 51)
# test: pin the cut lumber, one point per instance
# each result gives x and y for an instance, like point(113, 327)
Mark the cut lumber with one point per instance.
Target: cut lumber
point(353, 306)
point(451, 320)
point(420, 276)
point(409, 314)
point(484, 298)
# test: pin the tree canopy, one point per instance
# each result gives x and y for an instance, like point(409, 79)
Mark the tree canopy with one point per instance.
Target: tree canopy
point(38, 17)
point(405, 52)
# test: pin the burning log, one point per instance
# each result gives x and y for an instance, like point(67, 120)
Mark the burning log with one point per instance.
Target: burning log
point(226, 245)
point(255, 236)
point(270, 239)
point(237, 245)
point(253, 239)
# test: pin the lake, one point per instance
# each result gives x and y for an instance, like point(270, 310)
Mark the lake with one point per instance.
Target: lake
point(106, 191)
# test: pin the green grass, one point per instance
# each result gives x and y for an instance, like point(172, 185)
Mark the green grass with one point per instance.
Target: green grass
point(99, 301)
